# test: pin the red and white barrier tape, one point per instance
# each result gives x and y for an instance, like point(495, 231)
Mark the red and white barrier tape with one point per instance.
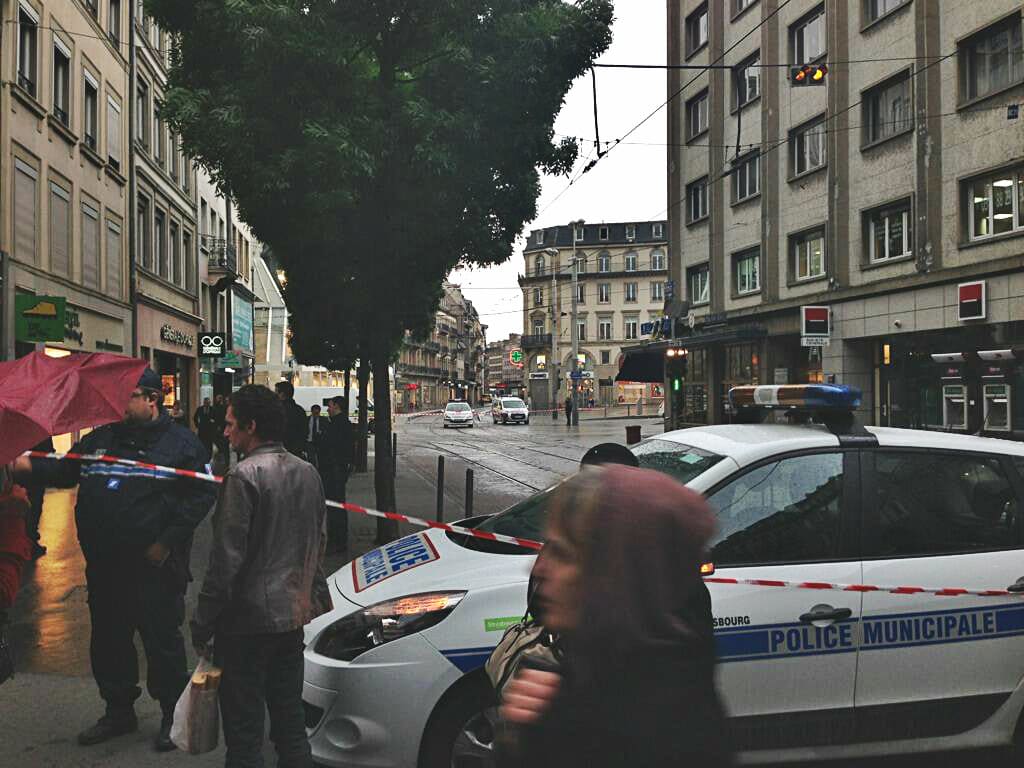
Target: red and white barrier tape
point(530, 544)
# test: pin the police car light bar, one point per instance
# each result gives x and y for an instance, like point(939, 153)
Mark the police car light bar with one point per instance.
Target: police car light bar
point(798, 396)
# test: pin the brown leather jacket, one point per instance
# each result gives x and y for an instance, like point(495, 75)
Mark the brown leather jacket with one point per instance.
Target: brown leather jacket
point(266, 562)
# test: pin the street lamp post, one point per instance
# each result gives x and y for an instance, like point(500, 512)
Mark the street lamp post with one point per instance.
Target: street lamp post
point(574, 330)
point(552, 375)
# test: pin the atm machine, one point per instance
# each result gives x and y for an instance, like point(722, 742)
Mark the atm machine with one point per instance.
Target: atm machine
point(955, 396)
point(996, 390)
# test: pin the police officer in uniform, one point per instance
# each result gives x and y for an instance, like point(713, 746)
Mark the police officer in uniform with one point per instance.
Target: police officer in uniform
point(135, 527)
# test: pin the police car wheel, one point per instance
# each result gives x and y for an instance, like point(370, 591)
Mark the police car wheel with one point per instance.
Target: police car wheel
point(460, 733)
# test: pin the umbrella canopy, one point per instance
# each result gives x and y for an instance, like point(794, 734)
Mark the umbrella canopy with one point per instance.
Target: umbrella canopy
point(42, 396)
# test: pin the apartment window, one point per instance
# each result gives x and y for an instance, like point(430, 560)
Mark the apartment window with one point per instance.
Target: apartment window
point(172, 155)
point(114, 259)
point(631, 262)
point(604, 262)
point(90, 111)
point(28, 35)
point(657, 231)
point(657, 260)
point(114, 134)
point(581, 330)
point(142, 113)
point(808, 251)
point(808, 37)
point(991, 60)
point(143, 244)
point(158, 136)
point(61, 82)
point(606, 356)
point(887, 109)
point(581, 293)
point(748, 271)
point(26, 212)
point(630, 232)
point(631, 292)
point(890, 232)
point(696, 30)
point(697, 115)
point(114, 21)
point(657, 291)
point(876, 9)
point(190, 261)
point(538, 237)
point(578, 231)
point(538, 297)
point(60, 230)
point(807, 147)
point(630, 326)
point(90, 246)
point(92, 6)
point(160, 243)
point(538, 327)
point(602, 233)
point(186, 173)
point(996, 204)
point(697, 200)
point(538, 266)
point(177, 273)
point(581, 263)
point(604, 293)
point(738, 6)
point(699, 282)
point(747, 81)
point(746, 176)
point(604, 330)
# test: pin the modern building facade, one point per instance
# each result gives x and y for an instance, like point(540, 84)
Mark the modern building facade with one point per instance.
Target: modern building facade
point(64, 189)
point(621, 288)
point(504, 374)
point(892, 196)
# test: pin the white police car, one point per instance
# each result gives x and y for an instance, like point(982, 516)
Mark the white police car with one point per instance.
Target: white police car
point(457, 413)
point(393, 675)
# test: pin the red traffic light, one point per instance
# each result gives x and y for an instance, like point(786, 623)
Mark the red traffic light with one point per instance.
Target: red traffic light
point(808, 74)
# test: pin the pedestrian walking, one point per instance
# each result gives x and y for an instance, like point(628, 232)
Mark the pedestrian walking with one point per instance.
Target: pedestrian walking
point(36, 495)
point(205, 421)
point(135, 527)
point(15, 551)
point(568, 411)
point(220, 409)
point(618, 580)
point(337, 457)
point(317, 426)
point(294, 419)
point(265, 565)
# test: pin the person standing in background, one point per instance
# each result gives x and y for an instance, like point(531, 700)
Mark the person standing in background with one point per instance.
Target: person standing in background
point(315, 435)
point(294, 419)
point(337, 457)
point(220, 409)
point(36, 495)
point(206, 425)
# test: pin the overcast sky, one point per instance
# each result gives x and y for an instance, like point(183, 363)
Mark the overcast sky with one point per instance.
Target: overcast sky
point(627, 185)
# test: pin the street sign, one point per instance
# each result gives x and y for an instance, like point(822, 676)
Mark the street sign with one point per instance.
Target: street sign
point(670, 289)
point(646, 329)
point(814, 341)
point(39, 318)
point(212, 343)
point(577, 375)
point(538, 375)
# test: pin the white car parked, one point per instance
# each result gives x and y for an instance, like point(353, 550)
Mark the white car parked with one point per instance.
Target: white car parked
point(393, 674)
point(457, 414)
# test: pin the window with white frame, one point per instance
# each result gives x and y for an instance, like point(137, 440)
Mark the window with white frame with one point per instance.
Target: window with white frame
point(747, 81)
point(604, 262)
point(991, 60)
point(190, 261)
point(172, 155)
point(142, 112)
point(697, 30)
point(28, 50)
point(631, 232)
point(890, 232)
point(538, 327)
point(174, 239)
point(657, 231)
point(158, 135)
point(631, 292)
point(995, 203)
point(746, 176)
point(697, 200)
point(90, 111)
point(807, 147)
point(631, 261)
point(604, 293)
point(538, 297)
point(697, 115)
point(581, 263)
point(602, 233)
point(581, 293)
point(538, 266)
point(61, 82)
point(630, 326)
point(578, 232)
point(747, 273)
point(808, 249)
point(887, 109)
point(581, 330)
point(876, 9)
point(657, 291)
point(699, 283)
point(160, 242)
point(808, 37)
point(657, 259)
point(604, 329)
point(741, 5)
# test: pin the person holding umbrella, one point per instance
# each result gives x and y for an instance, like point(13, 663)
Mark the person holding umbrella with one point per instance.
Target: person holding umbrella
point(135, 527)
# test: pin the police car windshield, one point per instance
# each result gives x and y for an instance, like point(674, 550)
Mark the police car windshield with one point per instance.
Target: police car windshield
point(457, 407)
point(511, 402)
point(526, 519)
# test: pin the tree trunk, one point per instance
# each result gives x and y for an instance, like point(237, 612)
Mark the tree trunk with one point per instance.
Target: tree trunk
point(363, 377)
point(384, 480)
point(348, 386)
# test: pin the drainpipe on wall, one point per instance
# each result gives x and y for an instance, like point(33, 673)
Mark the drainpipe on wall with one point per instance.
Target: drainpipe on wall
point(132, 187)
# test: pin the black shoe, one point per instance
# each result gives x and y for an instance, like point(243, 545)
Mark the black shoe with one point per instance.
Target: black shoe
point(38, 550)
point(108, 727)
point(163, 742)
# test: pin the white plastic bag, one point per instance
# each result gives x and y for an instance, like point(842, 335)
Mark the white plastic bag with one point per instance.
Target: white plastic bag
point(196, 727)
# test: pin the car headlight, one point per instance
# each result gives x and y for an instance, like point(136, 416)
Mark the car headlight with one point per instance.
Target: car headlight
point(381, 623)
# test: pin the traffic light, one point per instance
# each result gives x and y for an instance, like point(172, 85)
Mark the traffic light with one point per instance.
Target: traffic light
point(808, 74)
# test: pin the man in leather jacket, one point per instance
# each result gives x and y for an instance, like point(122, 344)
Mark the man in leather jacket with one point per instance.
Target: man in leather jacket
point(264, 583)
point(135, 527)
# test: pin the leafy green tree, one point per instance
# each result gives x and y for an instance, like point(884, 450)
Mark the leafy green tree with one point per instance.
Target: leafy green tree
point(377, 144)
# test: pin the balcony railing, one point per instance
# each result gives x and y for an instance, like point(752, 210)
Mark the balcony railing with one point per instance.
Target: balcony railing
point(536, 341)
point(90, 141)
point(221, 253)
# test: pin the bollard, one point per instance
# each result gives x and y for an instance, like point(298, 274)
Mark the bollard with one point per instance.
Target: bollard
point(440, 488)
point(632, 434)
point(469, 492)
point(394, 454)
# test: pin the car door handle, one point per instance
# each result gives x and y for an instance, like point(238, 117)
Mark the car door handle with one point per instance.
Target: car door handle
point(825, 613)
point(1017, 586)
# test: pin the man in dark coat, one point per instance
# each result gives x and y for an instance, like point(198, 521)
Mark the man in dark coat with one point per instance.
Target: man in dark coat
point(337, 455)
point(135, 527)
point(220, 410)
point(295, 425)
point(316, 430)
point(206, 425)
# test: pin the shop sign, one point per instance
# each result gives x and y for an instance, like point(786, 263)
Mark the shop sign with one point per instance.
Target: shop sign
point(576, 375)
point(971, 300)
point(538, 375)
point(782, 375)
point(815, 326)
point(39, 318)
point(241, 324)
point(515, 357)
point(229, 360)
point(212, 343)
point(173, 335)
point(73, 326)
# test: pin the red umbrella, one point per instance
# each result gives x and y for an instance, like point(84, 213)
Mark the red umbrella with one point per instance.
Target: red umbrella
point(42, 396)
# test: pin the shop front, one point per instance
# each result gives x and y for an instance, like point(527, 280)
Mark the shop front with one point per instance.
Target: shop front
point(76, 327)
point(168, 341)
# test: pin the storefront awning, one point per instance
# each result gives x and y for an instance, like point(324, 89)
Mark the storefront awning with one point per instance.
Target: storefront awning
point(646, 365)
